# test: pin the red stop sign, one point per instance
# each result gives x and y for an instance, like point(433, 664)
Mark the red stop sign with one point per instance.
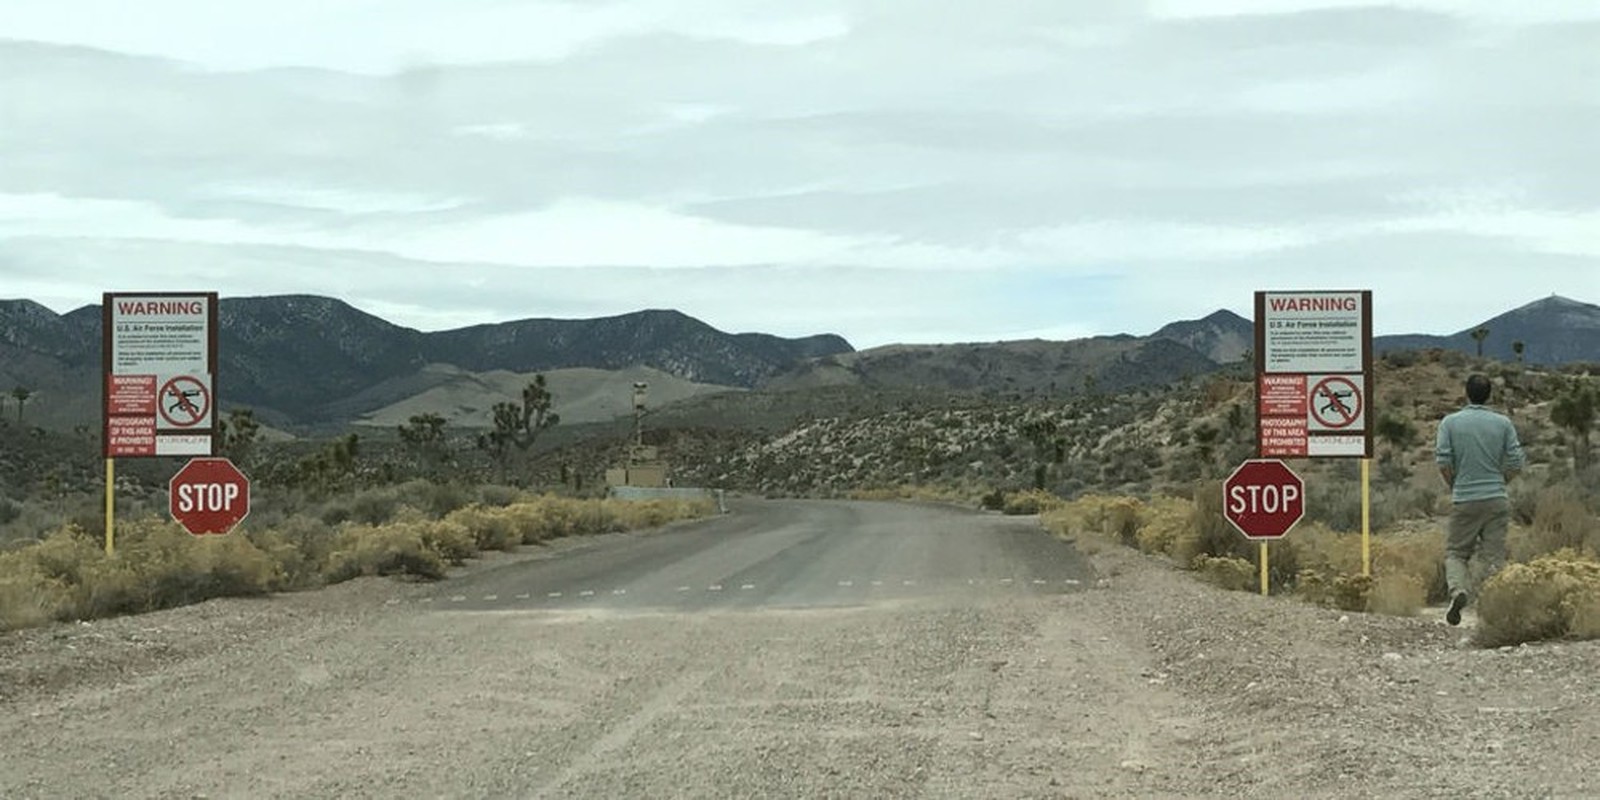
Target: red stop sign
point(1263, 498)
point(209, 495)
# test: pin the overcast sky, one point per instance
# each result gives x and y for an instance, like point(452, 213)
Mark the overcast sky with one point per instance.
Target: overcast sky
point(889, 170)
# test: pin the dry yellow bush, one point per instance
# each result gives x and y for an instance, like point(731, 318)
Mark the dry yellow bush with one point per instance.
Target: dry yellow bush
point(1032, 501)
point(363, 549)
point(1397, 594)
point(1551, 597)
point(1164, 520)
point(490, 528)
point(1228, 572)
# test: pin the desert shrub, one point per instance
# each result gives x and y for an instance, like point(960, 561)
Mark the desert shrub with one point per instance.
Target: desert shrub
point(382, 550)
point(1335, 503)
point(450, 539)
point(374, 506)
point(1229, 572)
point(437, 500)
point(28, 597)
point(496, 496)
point(1554, 596)
point(491, 528)
point(1208, 532)
point(1344, 591)
point(1418, 556)
point(1033, 501)
point(163, 566)
point(1163, 521)
point(1561, 521)
point(1397, 594)
point(158, 565)
point(300, 545)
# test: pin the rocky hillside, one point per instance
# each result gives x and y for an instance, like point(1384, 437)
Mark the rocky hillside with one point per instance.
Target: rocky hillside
point(304, 361)
point(1555, 330)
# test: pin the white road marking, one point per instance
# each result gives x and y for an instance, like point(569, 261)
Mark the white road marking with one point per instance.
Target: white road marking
point(877, 583)
point(619, 591)
point(1007, 580)
point(392, 601)
point(747, 587)
point(586, 593)
point(1072, 582)
point(491, 597)
point(716, 588)
point(908, 583)
point(458, 598)
point(683, 588)
point(847, 583)
point(427, 599)
point(1038, 583)
point(554, 594)
point(524, 596)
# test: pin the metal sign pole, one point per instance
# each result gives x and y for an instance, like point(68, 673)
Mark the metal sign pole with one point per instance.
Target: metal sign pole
point(111, 507)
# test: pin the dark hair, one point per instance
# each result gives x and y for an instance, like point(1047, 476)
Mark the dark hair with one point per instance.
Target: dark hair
point(1478, 389)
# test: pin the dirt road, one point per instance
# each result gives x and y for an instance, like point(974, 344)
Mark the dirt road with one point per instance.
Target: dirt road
point(791, 649)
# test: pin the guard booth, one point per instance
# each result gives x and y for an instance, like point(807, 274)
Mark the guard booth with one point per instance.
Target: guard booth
point(644, 468)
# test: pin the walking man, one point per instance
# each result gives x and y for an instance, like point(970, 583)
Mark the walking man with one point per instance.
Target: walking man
point(1477, 452)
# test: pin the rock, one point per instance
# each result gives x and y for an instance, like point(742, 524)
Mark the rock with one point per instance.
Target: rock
point(1345, 618)
point(1392, 657)
point(975, 736)
point(1134, 766)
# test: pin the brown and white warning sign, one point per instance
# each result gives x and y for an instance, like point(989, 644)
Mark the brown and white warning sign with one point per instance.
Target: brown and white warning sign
point(1313, 374)
point(160, 354)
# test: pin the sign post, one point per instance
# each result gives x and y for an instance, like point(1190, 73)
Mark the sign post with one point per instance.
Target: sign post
point(159, 356)
point(1314, 382)
point(1264, 499)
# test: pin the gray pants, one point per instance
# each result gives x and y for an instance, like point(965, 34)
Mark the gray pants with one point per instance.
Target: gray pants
point(1476, 528)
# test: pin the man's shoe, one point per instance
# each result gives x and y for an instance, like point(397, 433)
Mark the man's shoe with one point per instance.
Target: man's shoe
point(1453, 616)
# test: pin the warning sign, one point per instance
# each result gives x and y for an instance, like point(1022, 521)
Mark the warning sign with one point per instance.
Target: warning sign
point(1313, 373)
point(159, 357)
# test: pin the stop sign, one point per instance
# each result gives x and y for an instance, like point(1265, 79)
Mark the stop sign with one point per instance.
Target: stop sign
point(1263, 498)
point(209, 495)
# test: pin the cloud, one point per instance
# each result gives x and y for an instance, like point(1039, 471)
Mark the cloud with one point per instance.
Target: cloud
point(889, 170)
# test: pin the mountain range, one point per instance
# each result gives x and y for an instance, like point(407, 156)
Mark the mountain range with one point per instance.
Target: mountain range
point(315, 362)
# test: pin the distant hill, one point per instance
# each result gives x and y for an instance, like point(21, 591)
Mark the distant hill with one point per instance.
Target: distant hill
point(1223, 337)
point(302, 360)
point(1107, 363)
point(582, 394)
point(1555, 330)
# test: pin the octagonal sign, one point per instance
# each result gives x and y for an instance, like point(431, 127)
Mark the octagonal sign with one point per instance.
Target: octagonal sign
point(1264, 499)
point(209, 496)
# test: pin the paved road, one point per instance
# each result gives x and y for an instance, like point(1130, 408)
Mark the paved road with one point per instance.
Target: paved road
point(790, 649)
point(789, 554)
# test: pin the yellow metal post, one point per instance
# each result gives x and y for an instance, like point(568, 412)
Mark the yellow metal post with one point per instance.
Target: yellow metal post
point(1366, 517)
point(1264, 585)
point(111, 506)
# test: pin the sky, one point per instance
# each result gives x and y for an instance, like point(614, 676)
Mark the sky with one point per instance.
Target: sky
point(893, 171)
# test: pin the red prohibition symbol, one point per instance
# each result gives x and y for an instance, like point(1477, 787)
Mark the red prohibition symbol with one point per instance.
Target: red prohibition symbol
point(184, 401)
point(1336, 402)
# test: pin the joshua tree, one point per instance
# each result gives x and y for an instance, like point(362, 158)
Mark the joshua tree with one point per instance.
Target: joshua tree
point(520, 424)
point(1478, 336)
point(22, 396)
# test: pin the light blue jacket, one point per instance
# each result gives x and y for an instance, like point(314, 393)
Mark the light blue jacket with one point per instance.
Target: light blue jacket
point(1481, 446)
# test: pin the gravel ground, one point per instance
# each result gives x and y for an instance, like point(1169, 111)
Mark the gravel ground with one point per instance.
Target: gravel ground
point(1144, 685)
